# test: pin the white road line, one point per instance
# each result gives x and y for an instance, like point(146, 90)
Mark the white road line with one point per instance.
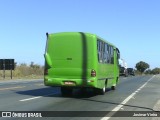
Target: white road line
point(22, 82)
point(125, 101)
point(37, 97)
point(10, 88)
point(15, 83)
point(30, 98)
point(19, 81)
point(157, 106)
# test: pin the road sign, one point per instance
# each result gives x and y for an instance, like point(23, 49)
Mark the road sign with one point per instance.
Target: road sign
point(6, 64)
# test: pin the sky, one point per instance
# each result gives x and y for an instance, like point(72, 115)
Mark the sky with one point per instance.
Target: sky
point(132, 25)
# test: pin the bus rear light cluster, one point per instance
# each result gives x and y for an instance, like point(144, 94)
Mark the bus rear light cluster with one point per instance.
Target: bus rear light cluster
point(93, 73)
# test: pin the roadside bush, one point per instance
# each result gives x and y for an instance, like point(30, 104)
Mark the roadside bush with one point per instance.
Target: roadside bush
point(25, 71)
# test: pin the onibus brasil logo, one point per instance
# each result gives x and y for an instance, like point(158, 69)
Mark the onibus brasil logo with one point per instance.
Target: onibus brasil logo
point(21, 114)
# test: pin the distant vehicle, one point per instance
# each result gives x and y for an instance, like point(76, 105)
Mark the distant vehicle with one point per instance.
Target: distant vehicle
point(80, 60)
point(123, 68)
point(123, 71)
point(131, 71)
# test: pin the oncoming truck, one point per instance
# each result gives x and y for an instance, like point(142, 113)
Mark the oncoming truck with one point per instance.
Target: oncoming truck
point(123, 68)
point(80, 60)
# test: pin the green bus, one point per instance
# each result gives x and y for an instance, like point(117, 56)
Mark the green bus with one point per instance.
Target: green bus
point(80, 60)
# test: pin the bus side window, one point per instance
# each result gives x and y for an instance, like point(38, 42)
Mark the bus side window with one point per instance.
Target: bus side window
point(101, 56)
point(105, 53)
point(99, 51)
point(102, 52)
point(112, 55)
point(109, 54)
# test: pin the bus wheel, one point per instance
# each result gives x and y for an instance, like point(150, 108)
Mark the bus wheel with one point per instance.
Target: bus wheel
point(100, 91)
point(113, 87)
point(66, 91)
point(103, 90)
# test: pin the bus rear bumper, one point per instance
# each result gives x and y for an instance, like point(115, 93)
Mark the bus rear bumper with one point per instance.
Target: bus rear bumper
point(59, 82)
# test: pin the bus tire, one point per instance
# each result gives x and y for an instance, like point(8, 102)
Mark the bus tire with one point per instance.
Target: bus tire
point(100, 91)
point(66, 91)
point(113, 87)
point(103, 90)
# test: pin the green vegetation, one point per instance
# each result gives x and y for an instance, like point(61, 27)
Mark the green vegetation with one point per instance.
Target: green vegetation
point(153, 71)
point(143, 67)
point(156, 71)
point(24, 71)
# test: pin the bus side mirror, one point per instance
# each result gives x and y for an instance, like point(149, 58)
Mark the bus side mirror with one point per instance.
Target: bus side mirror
point(118, 53)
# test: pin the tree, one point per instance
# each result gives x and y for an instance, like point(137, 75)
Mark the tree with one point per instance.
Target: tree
point(156, 71)
point(149, 71)
point(32, 64)
point(23, 64)
point(15, 64)
point(142, 66)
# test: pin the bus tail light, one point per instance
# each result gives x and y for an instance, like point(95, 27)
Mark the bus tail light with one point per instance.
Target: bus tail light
point(45, 71)
point(93, 73)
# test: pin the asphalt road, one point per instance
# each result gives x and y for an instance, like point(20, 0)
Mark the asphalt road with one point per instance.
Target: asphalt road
point(138, 93)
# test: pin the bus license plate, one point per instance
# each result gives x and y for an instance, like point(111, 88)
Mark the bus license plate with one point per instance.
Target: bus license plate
point(69, 83)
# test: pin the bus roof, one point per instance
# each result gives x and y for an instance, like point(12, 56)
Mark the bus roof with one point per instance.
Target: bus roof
point(90, 34)
point(105, 41)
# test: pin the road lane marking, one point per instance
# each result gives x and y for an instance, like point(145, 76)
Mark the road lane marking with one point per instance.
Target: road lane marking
point(14, 83)
point(157, 106)
point(10, 88)
point(32, 98)
point(17, 82)
point(40, 84)
point(118, 107)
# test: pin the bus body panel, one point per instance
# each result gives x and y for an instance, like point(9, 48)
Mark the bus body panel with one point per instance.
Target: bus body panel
point(69, 59)
point(72, 59)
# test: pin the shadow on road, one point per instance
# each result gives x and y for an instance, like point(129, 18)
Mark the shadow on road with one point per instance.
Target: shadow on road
point(55, 92)
point(77, 94)
point(39, 92)
point(114, 103)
